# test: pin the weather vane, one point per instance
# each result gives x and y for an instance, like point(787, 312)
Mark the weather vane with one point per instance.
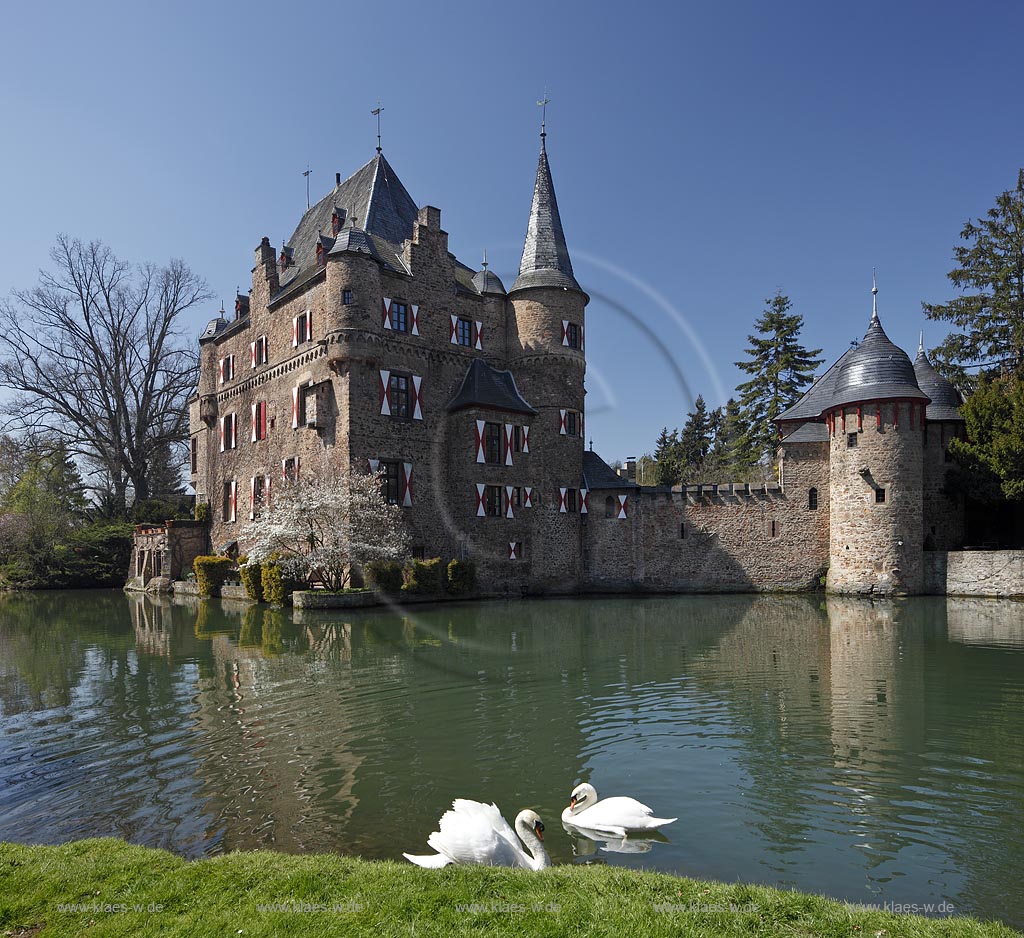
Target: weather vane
point(874, 295)
point(376, 113)
point(306, 174)
point(543, 105)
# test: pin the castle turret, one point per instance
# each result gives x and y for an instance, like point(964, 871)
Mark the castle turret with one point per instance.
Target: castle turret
point(876, 420)
point(546, 351)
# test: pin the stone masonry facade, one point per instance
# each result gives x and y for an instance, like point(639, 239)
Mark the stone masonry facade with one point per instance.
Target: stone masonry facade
point(365, 345)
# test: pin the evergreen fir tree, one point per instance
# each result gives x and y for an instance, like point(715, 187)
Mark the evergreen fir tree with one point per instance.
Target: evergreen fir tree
point(781, 368)
point(695, 441)
point(668, 470)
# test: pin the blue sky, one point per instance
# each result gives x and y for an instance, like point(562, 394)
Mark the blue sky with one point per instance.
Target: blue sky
point(704, 155)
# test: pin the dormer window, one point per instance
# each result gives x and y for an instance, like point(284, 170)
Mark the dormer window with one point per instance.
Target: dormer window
point(287, 257)
point(337, 220)
point(320, 256)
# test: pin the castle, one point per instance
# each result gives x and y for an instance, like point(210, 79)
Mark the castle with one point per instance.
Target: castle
point(365, 343)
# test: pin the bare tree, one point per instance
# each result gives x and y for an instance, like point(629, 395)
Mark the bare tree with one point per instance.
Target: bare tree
point(96, 357)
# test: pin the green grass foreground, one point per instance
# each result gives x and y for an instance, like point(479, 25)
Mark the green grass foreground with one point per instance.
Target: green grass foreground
point(129, 890)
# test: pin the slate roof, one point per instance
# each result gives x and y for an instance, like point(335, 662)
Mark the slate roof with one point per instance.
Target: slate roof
point(810, 432)
point(817, 397)
point(545, 261)
point(213, 328)
point(487, 281)
point(375, 201)
point(597, 474)
point(875, 370)
point(945, 399)
point(485, 386)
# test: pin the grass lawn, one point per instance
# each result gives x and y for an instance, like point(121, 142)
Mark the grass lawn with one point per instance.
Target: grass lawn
point(131, 891)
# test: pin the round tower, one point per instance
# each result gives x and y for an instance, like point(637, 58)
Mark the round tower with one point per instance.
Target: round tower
point(876, 420)
point(943, 511)
point(546, 345)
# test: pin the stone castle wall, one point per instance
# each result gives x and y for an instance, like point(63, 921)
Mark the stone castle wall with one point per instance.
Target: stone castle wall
point(974, 572)
point(943, 514)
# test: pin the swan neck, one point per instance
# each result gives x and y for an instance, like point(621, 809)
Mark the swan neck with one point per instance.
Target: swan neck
point(534, 845)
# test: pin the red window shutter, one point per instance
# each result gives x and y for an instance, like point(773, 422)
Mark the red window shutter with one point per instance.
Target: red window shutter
point(297, 462)
point(480, 455)
point(385, 393)
point(295, 407)
point(386, 312)
point(255, 408)
point(478, 336)
point(562, 500)
point(252, 354)
point(417, 397)
point(309, 324)
point(565, 332)
point(234, 499)
point(234, 431)
point(527, 497)
point(623, 511)
point(414, 322)
point(526, 439)
point(561, 422)
point(452, 336)
point(295, 331)
point(220, 427)
point(508, 502)
point(220, 371)
point(584, 501)
point(407, 484)
point(480, 510)
point(252, 498)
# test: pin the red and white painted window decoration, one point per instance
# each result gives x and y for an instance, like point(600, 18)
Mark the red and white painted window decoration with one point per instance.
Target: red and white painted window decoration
point(562, 500)
point(478, 336)
point(524, 434)
point(259, 421)
point(481, 455)
point(232, 501)
point(302, 328)
point(228, 432)
point(515, 550)
point(386, 312)
point(481, 491)
point(374, 465)
point(258, 351)
point(417, 396)
point(509, 443)
point(527, 497)
point(414, 319)
point(406, 483)
point(572, 334)
point(296, 406)
point(570, 423)
point(385, 395)
point(584, 501)
point(226, 368)
point(623, 509)
point(509, 501)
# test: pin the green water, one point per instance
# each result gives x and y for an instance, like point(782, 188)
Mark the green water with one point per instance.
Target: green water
point(868, 752)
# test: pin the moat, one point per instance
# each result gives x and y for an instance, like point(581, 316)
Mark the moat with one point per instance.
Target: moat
point(869, 752)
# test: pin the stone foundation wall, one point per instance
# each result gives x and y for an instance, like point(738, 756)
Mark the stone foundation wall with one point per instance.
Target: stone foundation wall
point(974, 572)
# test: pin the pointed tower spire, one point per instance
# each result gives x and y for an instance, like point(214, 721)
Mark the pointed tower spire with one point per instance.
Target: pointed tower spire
point(545, 260)
point(874, 297)
point(920, 345)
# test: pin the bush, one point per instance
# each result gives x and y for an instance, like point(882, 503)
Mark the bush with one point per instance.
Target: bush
point(278, 585)
point(202, 511)
point(211, 572)
point(251, 574)
point(384, 575)
point(426, 576)
point(461, 577)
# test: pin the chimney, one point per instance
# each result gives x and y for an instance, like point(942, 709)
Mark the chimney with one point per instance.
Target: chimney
point(337, 179)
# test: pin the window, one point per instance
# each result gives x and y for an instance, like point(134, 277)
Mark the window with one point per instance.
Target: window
point(258, 495)
point(570, 500)
point(464, 332)
point(228, 432)
point(851, 440)
point(259, 351)
point(572, 423)
point(774, 528)
point(399, 317)
point(228, 503)
point(682, 530)
point(572, 335)
point(302, 328)
point(194, 462)
point(492, 501)
point(879, 496)
point(492, 443)
point(517, 439)
point(517, 497)
point(398, 395)
point(346, 297)
point(609, 507)
point(390, 482)
point(290, 469)
point(227, 368)
point(812, 499)
point(259, 421)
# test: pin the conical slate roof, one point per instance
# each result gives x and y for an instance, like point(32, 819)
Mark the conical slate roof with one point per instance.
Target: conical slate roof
point(545, 260)
point(875, 370)
point(945, 399)
point(487, 281)
point(485, 386)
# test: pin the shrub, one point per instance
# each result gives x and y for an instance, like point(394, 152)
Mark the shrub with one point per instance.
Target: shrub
point(251, 573)
point(278, 585)
point(202, 511)
point(384, 575)
point(211, 572)
point(461, 577)
point(426, 576)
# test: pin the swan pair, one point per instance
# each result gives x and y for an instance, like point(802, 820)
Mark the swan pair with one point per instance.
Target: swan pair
point(475, 833)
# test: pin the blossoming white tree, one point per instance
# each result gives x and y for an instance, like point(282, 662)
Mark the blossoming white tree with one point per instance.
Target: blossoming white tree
point(320, 527)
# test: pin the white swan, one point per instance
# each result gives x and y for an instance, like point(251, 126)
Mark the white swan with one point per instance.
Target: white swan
point(615, 816)
point(475, 833)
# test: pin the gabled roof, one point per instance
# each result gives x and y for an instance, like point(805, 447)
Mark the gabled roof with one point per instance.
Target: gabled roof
point(374, 200)
point(545, 261)
point(485, 386)
point(597, 474)
point(945, 398)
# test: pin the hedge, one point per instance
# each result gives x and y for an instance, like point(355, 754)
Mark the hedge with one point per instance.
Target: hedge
point(426, 576)
point(384, 575)
point(211, 572)
point(277, 586)
point(461, 577)
point(251, 573)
